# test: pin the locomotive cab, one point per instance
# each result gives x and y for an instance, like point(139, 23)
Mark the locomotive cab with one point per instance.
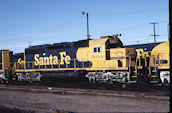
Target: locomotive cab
point(110, 61)
point(112, 42)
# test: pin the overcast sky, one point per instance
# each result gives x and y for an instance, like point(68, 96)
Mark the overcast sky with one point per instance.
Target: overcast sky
point(24, 22)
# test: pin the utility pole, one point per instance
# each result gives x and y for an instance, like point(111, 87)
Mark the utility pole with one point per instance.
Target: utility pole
point(88, 36)
point(154, 31)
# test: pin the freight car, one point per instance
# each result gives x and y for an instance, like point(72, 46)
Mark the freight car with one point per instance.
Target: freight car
point(103, 60)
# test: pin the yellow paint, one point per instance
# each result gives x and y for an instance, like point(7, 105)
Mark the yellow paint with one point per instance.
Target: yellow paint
point(120, 55)
point(1, 71)
point(6, 61)
point(98, 59)
point(154, 81)
point(139, 52)
point(52, 60)
point(160, 53)
point(21, 62)
point(133, 81)
point(82, 54)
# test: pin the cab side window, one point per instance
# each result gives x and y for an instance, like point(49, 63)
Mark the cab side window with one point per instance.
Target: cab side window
point(163, 61)
point(97, 49)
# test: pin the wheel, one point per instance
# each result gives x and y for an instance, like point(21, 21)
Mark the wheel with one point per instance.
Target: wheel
point(92, 80)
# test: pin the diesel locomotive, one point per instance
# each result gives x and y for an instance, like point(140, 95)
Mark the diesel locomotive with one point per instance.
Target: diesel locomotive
point(103, 60)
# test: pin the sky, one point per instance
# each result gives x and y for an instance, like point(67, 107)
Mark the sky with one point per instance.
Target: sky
point(35, 22)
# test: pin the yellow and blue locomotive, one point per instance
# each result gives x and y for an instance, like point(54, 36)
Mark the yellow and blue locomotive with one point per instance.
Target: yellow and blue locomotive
point(103, 60)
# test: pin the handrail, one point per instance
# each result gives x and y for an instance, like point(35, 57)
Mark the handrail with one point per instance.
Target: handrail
point(129, 64)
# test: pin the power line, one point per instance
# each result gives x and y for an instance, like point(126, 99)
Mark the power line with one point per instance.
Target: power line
point(145, 40)
point(123, 29)
point(47, 30)
point(134, 12)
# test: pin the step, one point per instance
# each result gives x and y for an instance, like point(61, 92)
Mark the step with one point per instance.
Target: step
point(133, 81)
point(154, 76)
point(154, 81)
point(154, 71)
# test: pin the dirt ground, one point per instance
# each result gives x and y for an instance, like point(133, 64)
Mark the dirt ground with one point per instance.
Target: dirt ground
point(82, 103)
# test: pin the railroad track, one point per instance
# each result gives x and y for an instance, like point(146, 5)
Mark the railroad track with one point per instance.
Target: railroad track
point(154, 94)
point(85, 85)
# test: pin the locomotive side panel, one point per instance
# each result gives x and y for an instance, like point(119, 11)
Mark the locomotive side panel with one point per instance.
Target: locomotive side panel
point(54, 59)
point(99, 53)
point(162, 55)
point(121, 59)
